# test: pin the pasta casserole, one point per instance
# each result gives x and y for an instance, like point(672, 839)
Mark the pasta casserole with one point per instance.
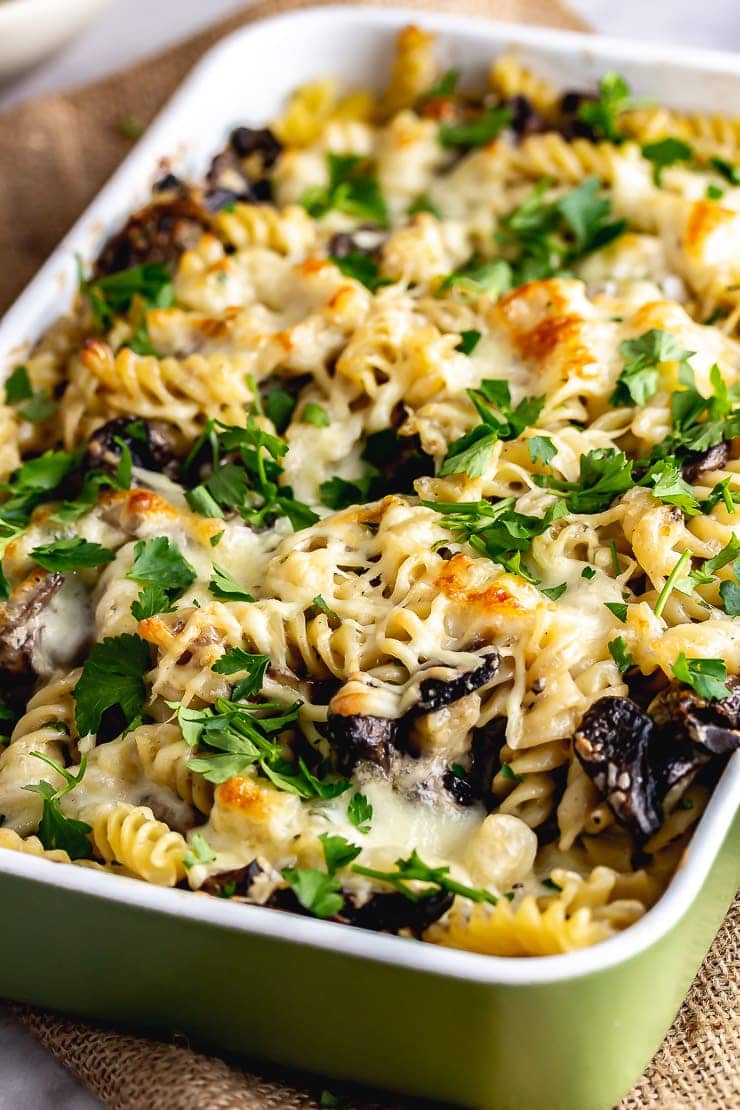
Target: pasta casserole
point(369, 525)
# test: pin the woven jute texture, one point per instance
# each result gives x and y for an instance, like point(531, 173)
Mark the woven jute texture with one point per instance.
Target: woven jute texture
point(55, 153)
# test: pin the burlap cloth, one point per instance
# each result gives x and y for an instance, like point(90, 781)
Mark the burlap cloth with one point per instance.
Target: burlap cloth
point(55, 153)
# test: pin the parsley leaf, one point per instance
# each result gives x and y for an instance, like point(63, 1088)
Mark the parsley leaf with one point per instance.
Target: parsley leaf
point(18, 386)
point(541, 239)
point(554, 592)
point(492, 400)
point(161, 562)
point(508, 772)
point(223, 586)
point(315, 890)
point(670, 487)
point(666, 152)
point(602, 115)
point(729, 171)
point(445, 86)
point(279, 405)
point(337, 493)
point(236, 661)
point(56, 831)
point(639, 378)
point(422, 203)
point(319, 603)
point(338, 852)
point(541, 449)
point(361, 268)
point(495, 530)
point(152, 599)
point(604, 474)
point(350, 189)
point(71, 555)
point(672, 582)
point(730, 594)
point(620, 654)
point(705, 676)
point(198, 852)
point(113, 675)
point(414, 869)
point(618, 608)
point(469, 340)
point(588, 573)
point(360, 813)
point(477, 132)
point(151, 281)
point(478, 278)
point(316, 415)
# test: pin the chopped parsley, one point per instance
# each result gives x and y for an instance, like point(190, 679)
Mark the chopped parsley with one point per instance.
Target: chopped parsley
point(541, 239)
point(672, 582)
point(151, 281)
point(492, 400)
point(319, 603)
point(726, 169)
point(360, 812)
point(414, 869)
point(478, 278)
point(618, 609)
point(318, 892)
point(234, 736)
point(67, 555)
point(226, 588)
point(351, 189)
point(602, 115)
point(423, 204)
point(337, 493)
point(495, 530)
point(604, 474)
point(238, 661)
point(666, 152)
point(541, 449)
point(338, 852)
point(620, 654)
point(588, 573)
point(445, 86)
point(469, 340)
point(706, 676)
point(248, 482)
point(279, 405)
point(316, 415)
point(508, 772)
point(113, 675)
point(18, 388)
point(638, 380)
point(57, 831)
point(199, 851)
point(476, 132)
point(554, 592)
point(361, 268)
point(165, 572)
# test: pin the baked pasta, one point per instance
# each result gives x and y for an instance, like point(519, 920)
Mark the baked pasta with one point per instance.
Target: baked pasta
point(369, 526)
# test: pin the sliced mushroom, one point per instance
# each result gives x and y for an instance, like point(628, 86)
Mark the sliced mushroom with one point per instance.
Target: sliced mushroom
point(361, 738)
point(571, 126)
point(612, 743)
point(236, 883)
point(698, 463)
point(394, 913)
point(19, 631)
point(436, 692)
point(713, 725)
point(150, 444)
point(159, 232)
point(525, 119)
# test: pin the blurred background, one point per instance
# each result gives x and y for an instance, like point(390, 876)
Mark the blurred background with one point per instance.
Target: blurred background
point(122, 31)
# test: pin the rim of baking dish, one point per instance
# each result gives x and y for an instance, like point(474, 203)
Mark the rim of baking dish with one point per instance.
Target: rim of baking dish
point(714, 825)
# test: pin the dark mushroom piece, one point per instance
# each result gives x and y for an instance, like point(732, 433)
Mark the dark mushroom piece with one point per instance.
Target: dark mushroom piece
point(434, 693)
point(235, 883)
point(571, 126)
point(149, 443)
point(700, 462)
point(367, 240)
point(400, 460)
point(361, 738)
point(19, 632)
point(612, 744)
point(712, 725)
point(247, 141)
point(394, 913)
point(525, 119)
point(159, 232)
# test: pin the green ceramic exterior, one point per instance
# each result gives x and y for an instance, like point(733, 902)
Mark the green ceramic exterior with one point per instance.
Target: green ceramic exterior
point(574, 1044)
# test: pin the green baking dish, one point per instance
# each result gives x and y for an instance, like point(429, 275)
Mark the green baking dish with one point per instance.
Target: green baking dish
point(557, 1033)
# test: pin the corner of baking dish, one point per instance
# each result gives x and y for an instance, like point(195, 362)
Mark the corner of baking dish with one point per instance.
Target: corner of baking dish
point(30, 314)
